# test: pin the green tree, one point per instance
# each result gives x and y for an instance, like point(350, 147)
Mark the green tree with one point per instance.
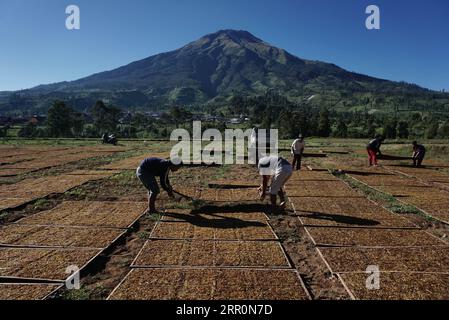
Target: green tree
point(140, 121)
point(105, 117)
point(28, 131)
point(266, 121)
point(390, 129)
point(4, 131)
point(60, 120)
point(443, 132)
point(238, 105)
point(402, 130)
point(300, 124)
point(432, 129)
point(324, 124)
point(342, 129)
point(77, 124)
point(370, 127)
point(164, 133)
point(286, 125)
point(179, 115)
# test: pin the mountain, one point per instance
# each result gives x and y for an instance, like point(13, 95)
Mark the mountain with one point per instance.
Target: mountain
point(209, 70)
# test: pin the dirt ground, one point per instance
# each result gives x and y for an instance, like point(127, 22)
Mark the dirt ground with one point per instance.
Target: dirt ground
point(106, 272)
point(115, 264)
point(304, 257)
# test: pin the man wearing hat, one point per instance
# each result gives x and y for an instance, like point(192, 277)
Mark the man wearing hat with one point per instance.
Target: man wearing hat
point(297, 151)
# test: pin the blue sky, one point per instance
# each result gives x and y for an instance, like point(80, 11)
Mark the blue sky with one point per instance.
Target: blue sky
point(36, 48)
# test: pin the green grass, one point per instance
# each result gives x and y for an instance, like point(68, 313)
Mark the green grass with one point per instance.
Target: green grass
point(292, 236)
point(3, 216)
point(85, 293)
point(155, 216)
point(78, 192)
point(40, 204)
point(183, 205)
point(141, 144)
point(402, 208)
point(367, 191)
point(387, 200)
point(143, 235)
point(81, 294)
point(219, 173)
point(49, 142)
point(124, 178)
point(197, 204)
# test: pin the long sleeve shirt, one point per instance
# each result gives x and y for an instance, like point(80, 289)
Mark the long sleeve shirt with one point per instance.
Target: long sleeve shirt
point(418, 149)
point(298, 146)
point(158, 168)
point(374, 145)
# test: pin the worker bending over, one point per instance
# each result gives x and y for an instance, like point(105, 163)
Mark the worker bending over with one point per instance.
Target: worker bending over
point(280, 171)
point(373, 149)
point(149, 169)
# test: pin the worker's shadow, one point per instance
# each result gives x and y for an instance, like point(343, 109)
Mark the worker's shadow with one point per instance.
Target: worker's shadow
point(213, 220)
point(232, 186)
point(248, 207)
point(366, 174)
point(240, 207)
point(428, 167)
point(348, 220)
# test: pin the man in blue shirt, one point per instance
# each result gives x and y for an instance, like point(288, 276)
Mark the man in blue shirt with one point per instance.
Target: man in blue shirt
point(149, 169)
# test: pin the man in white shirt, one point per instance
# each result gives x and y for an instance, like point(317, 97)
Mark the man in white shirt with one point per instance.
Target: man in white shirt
point(297, 151)
point(279, 170)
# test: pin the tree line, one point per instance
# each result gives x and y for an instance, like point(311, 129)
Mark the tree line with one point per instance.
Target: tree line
point(268, 111)
point(64, 122)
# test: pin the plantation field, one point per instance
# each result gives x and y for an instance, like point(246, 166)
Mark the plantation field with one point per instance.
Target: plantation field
point(79, 204)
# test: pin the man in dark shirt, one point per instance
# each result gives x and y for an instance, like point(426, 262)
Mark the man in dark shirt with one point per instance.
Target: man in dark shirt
point(149, 169)
point(419, 152)
point(373, 149)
